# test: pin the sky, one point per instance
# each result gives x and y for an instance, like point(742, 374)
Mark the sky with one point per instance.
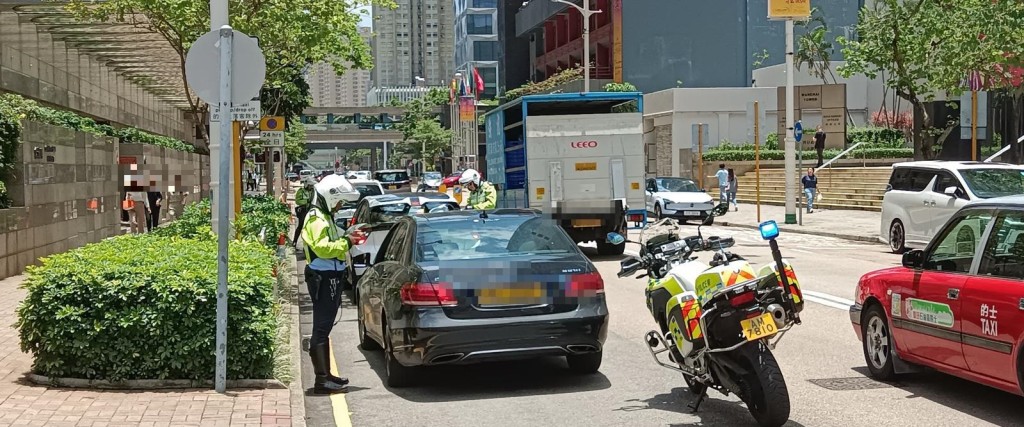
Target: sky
point(365, 14)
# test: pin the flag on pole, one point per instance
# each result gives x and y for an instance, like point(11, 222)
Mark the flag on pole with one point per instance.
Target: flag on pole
point(975, 81)
point(479, 81)
point(451, 92)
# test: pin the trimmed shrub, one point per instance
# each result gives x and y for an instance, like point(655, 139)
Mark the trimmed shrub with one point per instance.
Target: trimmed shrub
point(259, 213)
point(144, 307)
point(866, 153)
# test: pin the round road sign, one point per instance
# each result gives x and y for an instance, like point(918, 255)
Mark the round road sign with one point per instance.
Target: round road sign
point(248, 68)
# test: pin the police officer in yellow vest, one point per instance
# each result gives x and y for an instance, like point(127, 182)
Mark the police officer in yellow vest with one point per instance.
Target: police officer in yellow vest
point(325, 267)
point(482, 194)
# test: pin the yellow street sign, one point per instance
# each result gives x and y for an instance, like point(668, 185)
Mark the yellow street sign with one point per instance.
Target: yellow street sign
point(789, 9)
point(272, 124)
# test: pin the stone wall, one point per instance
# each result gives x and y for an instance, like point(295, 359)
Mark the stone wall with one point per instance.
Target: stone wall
point(36, 65)
point(66, 188)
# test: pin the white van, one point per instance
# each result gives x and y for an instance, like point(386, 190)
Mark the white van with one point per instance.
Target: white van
point(922, 196)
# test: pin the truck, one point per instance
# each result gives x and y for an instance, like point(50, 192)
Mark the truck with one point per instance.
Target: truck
point(578, 157)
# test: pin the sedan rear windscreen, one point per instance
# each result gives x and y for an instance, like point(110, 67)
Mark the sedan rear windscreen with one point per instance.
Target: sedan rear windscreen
point(444, 239)
point(391, 176)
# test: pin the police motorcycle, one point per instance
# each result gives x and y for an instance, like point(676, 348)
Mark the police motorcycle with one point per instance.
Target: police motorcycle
point(718, 320)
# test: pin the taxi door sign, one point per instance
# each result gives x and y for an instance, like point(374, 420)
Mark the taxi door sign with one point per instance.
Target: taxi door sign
point(586, 166)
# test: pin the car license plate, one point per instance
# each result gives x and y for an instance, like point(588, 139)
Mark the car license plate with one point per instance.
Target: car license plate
point(586, 223)
point(505, 295)
point(691, 213)
point(759, 327)
point(392, 187)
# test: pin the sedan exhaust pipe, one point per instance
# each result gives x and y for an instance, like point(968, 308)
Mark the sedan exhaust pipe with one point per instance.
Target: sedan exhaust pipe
point(580, 348)
point(447, 358)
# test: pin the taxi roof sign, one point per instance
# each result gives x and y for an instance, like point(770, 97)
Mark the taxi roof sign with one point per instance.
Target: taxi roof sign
point(272, 124)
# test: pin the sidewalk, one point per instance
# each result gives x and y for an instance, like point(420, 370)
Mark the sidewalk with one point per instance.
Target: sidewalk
point(862, 226)
point(23, 403)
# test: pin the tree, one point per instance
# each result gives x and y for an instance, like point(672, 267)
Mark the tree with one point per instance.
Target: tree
point(295, 141)
point(291, 35)
point(814, 49)
point(422, 133)
point(902, 38)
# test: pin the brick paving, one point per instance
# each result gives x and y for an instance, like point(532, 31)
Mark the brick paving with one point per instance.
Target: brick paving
point(23, 403)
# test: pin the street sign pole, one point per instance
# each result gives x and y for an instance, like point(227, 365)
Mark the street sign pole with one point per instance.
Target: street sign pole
point(798, 135)
point(757, 157)
point(790, 138)
point(974, 125)
point(224, 192)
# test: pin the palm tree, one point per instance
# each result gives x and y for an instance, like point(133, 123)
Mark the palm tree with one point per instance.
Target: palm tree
point(814, 50)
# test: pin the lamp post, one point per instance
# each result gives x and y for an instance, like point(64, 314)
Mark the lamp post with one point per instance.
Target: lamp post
point(586, 12)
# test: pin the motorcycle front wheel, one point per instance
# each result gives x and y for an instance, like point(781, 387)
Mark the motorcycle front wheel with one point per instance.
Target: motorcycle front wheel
point(766, 394)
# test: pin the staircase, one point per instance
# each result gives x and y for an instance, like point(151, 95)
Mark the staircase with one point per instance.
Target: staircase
point(854, 188)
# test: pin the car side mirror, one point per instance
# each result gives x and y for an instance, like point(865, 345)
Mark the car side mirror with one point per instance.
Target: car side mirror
point(913, 259)
point(951, 191)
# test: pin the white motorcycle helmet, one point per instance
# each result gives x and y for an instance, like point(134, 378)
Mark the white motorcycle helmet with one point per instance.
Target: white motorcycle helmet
point(470, 175)
point(336, 189)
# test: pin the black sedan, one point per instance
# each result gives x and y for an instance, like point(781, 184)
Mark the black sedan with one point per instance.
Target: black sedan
point(461, 287)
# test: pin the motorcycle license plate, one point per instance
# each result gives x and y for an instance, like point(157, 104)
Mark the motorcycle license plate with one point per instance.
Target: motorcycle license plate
point(691, 213)
point(759, 327)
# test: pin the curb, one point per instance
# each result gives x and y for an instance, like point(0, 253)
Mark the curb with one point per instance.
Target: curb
point(866, 239)
point(150, 384)
point(297, 398)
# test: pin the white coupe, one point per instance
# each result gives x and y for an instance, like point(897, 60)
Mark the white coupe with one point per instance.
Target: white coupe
point(678, 198)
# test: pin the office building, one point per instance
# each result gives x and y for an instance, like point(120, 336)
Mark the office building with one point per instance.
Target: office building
point(514, 64)
point(384, 96)
point(658, 44)
point(476, 42)
point(414, 43)
point(328, 89)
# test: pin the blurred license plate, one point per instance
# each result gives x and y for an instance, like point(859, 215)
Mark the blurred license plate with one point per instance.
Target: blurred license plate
point(508, 295)
point(691, 213)
point(585, 223)
point(392, 187)
point(759, 327)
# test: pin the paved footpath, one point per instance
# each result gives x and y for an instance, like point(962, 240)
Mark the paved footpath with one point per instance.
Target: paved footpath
point(843, 224)
point(23, 403)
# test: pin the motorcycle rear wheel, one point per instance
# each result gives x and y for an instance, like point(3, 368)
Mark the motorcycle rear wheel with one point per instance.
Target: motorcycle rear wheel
point(766, 396)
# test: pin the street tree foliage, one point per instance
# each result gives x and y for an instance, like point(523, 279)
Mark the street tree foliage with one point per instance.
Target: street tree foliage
point(295, 141)
point(292, 34)
point(814, 48)
point(927, 48)
point(421, 127)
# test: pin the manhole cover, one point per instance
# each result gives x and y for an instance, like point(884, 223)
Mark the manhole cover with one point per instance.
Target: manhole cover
point(847, 384)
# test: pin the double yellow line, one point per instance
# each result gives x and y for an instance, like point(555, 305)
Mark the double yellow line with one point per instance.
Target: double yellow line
point(342, 417)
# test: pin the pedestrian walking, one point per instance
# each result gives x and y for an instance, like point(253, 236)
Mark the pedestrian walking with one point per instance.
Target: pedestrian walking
point(156, 201)
point(733, 186)
point(810, 188)
point(325, 274)
point(723, 183)
point(138, 210)
point(303, 197)
point(819, 145)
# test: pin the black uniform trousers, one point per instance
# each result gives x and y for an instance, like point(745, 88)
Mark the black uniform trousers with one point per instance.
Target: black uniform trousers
point(300, 214)
point(325, 290)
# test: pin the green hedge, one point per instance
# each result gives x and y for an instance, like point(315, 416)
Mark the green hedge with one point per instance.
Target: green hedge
point(867, 153)
point(259, 213)
point(144, 307)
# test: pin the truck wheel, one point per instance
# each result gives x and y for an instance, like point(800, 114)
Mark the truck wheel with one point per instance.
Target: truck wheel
point(607, 249)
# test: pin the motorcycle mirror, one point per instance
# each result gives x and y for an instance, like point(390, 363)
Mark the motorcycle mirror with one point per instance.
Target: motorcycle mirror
point(720, 210)
point(615, 238)
point(769, 230)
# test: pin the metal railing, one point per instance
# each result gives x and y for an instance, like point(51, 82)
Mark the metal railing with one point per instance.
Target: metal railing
point(828, 164)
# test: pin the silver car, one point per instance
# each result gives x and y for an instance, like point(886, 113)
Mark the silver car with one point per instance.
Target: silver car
point(374, 216)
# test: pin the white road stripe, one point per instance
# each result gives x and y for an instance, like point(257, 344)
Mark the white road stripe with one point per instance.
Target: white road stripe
point(826, 302)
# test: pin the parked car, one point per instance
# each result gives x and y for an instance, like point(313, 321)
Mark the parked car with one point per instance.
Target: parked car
point(921, 196)
point(358, 175)
point(679, 198)
point(431, 181)
point(449, 288)
point(293, 177)
point(452, 180)
point(394, 180)
point(375, 215)
point(306, 173)
point(956, 306)
point(365, 187)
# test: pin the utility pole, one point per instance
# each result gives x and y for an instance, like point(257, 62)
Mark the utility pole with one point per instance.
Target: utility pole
point(790, 136)
point(586, 12)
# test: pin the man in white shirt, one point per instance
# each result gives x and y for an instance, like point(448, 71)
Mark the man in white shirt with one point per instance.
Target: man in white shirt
point(139, 212)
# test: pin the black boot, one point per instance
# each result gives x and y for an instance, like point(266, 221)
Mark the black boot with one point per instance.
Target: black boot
point(325, 382)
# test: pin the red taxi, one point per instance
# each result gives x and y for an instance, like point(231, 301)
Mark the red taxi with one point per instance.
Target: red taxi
point(957, 306)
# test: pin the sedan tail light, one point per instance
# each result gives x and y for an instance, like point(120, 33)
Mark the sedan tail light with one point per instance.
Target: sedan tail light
point(428, 294)
point(358, 236)
point(585, 285)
